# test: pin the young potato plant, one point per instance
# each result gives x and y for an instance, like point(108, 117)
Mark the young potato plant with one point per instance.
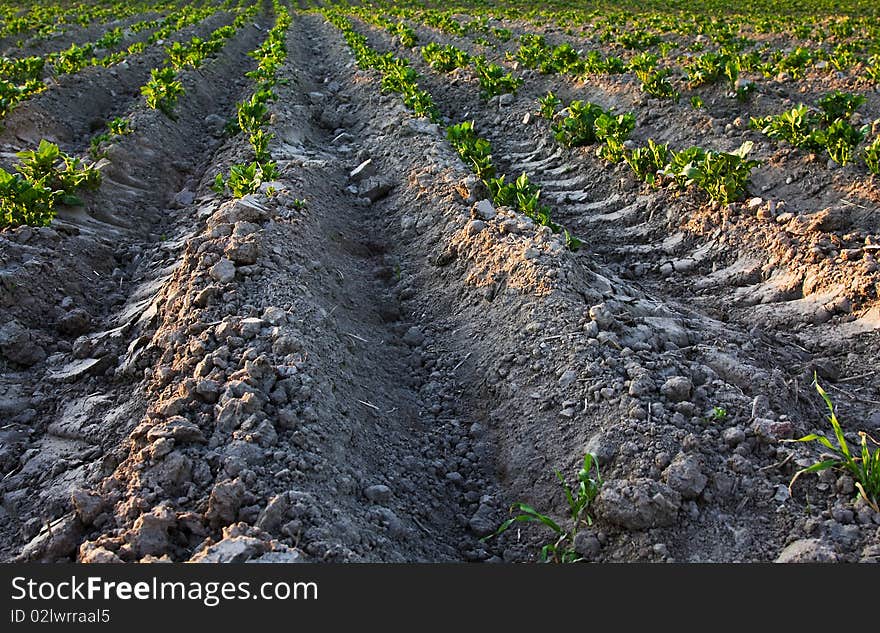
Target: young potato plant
point(563, 59)
point(839, 105)
point(245, 179)
point(872, 69)
point(178, 54)
point(656, 83)
point(474, 150)
point(118, 127)
point(796, 63)
point(706, 68)
point(259, 140)
point(110, 39)
point(445, 58)
point(534, 52)
point(523, 195)
point(493, 80)
point(11, 94)
point(254, 112)
point(60, 172)
point(519, 194)
point(611, 132)
point(796, 126)
point(578, 127)
point(73, 59)
point(96, 146)
point(840, 140)
point(401, 78)
point(46, 177)
point(561, 549)
point(404, 33)
point(864, 466)
point(828, 128)
point(21, 69)
point(24, 202)
point(549, 105)
point(647, 161)
point(643, 63)
point(162, 90)
point(872, 156)
point(722, 175)
point(594, 63)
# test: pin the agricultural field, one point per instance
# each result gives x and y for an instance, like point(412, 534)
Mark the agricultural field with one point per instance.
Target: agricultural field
point(413, 282)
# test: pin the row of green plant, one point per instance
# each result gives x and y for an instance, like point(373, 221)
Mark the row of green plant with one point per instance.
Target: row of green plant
point(826, 128)
point(164, 87)
point(493, 79)
point(44, 179)
point(445, 22)
point(475, 151)
point(534, 52)
point(21, 78)
point(520, 194)
point(44, 20)
point(445, 58)
point(727, 64)
point(398, 28)
point(253, 113)
point(397, 74)
point(722, 175)
point(78, 56)
point(840, 46)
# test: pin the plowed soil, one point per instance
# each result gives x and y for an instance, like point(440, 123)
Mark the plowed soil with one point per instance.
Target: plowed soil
point(378, 374)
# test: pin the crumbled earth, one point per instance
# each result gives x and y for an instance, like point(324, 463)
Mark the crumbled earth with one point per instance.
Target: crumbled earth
point(376, 375)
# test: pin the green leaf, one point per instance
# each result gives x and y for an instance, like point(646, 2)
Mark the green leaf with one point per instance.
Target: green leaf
point(813, 437)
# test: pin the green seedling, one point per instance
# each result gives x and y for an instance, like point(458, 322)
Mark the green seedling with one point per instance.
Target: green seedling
point(839, 105)
point(475, 151)
point(656, 83)
point(612, 131)
point(96, 151)
point(60, 172)
point(871, 154)
point(722, 175)
point(119, 126)
point(24, 202)
point(561, 548)
point(162, 90)
point(549, 105)
point(493, 80)
point(46, 178)
point(719, 414)
point(840, 140)
point(647, 161)
point(445, 58)
point(260, 144)
point(579, 126)
point(864, 467)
